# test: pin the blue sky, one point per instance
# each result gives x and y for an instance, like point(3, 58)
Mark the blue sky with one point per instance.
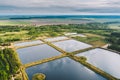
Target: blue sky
point(59, 6)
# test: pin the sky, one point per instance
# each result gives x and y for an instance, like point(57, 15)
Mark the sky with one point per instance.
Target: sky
point(59, 6)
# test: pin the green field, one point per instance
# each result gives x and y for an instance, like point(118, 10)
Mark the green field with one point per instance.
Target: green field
point(13, 22)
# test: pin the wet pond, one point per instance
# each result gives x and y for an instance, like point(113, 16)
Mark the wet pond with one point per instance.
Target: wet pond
point(71, 45)
point(56, 38)
point(64, 69)
point(106, 60)
point(20, 44)
point(34, 53)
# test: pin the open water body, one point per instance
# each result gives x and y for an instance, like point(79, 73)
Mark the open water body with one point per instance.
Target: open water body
point(63, 69)
point(35, 53)
point(105, 60)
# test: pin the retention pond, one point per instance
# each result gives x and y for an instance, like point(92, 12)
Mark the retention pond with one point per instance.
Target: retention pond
point(34, 53)
point(105, 60)
point(63, 69)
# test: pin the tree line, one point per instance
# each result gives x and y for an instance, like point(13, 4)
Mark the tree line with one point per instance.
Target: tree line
point(9, 63)
point(114, 40)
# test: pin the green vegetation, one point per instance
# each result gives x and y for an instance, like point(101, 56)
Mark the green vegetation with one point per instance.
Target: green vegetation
point(52, 45)
point(13, 22)
point(97, 35)
point(9, 63)
point(95, 40)
point(38, 76)
point(18, 33)
point(82, 58)
point(114, 39)
point(95, 32)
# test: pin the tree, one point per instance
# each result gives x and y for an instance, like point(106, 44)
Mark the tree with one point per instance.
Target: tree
point(3, 75)
point(1, 40)
point(83, 58)
point(38, 76)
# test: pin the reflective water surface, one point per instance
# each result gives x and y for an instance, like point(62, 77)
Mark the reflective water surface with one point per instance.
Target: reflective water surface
point(106, 60)
point(34, 53)
point(63, 69)
point(71, 45)
point(56, 38)
point(20, 44)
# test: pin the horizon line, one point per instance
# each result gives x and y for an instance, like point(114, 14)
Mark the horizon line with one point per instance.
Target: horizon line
point(60, 14)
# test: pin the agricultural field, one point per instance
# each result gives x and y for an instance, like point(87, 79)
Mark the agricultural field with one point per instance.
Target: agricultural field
point(41, 44)
point(115, 26)
point(39, 22)
point(13, 36)
point(93, 39)
point(13, 22)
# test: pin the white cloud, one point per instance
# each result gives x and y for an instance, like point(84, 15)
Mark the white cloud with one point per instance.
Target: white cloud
point(49, 6)
point(46, 3)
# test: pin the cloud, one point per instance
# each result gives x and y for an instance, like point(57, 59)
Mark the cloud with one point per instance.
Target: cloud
point(59, 6)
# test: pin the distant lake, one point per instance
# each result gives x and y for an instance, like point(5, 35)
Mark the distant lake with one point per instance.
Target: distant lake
point(55, 19)
point(64, 69)
point(57, 16)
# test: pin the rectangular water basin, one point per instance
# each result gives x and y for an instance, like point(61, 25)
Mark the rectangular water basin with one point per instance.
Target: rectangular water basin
point(71, 45)
point(21, 44)
point(35, 53)
point(56, 39)
point(105, 60)
point(63, 69)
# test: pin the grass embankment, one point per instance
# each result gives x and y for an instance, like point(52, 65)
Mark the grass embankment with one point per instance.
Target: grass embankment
point(83, 50)
point(24, 74)
point(52, 45)
point(43, 61)
point(93, 68)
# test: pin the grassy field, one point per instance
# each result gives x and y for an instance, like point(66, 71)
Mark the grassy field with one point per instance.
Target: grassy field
point(115, 26)
point(93, 39)
point(22, 35)
point(13, 22)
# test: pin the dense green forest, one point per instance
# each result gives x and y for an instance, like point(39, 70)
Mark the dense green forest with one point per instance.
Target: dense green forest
point(9, 63)
point(52, 30)
point(114, 40)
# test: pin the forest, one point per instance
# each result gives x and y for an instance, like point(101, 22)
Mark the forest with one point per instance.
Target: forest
point(51, 30)
point(114, 40)
point(9, 63)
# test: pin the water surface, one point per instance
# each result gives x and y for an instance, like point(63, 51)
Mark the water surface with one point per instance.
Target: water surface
point(64, 69)
point(34, 53)
point(71, 45)
point(106, 60)
point(56, 38)
point(28, 43)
